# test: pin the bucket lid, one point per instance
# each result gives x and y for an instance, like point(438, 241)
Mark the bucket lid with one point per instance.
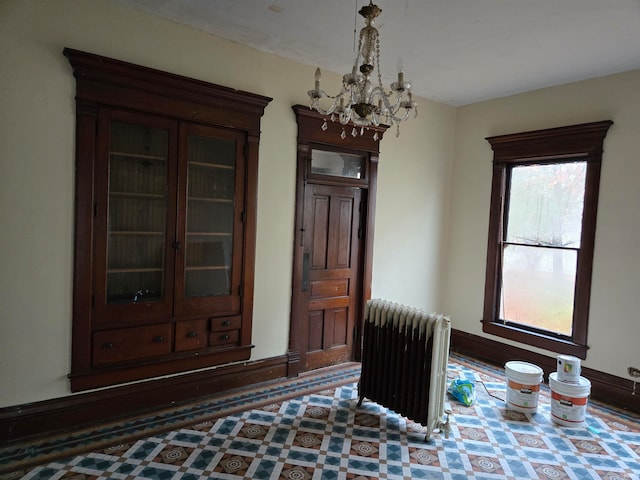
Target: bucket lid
point(569, 358)
point(581, 386)
point(523, 367)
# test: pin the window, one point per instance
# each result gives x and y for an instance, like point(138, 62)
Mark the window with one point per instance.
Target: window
point(337, 164)
point(541, 236)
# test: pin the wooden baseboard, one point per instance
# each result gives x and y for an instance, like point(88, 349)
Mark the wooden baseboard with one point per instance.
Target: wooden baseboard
point(604, 387)
point(21, 422)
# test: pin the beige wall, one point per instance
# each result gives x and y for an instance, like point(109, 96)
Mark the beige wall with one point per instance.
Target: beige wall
point(614, 327)
point(37, 178)
point(432, 203)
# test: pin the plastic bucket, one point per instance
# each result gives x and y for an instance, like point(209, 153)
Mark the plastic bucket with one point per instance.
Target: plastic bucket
point(523, 386)
point(569, 401)
point(568, 369)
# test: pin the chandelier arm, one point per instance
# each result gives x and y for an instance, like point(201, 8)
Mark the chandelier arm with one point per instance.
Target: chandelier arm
point(345, 116)
point(316, 95)
point(397, 120)
point(391, 108)
point(315, 104)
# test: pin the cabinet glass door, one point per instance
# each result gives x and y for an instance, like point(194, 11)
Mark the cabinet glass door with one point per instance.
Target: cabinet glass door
point(210, 214)
point(137, 213)
point(212, 191)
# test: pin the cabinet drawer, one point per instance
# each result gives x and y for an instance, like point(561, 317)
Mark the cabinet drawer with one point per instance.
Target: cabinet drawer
point(229, 337)
point(225, 323)
point(124, 344)
point(191, 335)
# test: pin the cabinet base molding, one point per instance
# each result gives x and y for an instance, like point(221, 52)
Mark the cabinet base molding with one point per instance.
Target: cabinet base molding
point(106, 377)
point(605, 387)
point(48, 417)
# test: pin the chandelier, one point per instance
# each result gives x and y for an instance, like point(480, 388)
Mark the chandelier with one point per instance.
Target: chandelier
point(363, 100)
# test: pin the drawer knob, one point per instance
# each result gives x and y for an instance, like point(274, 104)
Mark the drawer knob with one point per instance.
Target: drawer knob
point(224, 337)
point(107, 346)
point(158, 339)
point(192, 334)
point(226, 323)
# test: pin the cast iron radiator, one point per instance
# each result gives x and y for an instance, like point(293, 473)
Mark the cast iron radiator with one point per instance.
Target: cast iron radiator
point(405, 353)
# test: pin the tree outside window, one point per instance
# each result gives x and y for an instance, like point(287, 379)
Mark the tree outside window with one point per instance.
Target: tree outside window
point(541, 236)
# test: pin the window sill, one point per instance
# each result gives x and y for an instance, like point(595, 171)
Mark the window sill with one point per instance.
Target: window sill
point(535, 340)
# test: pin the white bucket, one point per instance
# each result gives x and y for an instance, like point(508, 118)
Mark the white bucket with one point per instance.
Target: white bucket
point(569, 401)
point(568, 369)
point(523, 386)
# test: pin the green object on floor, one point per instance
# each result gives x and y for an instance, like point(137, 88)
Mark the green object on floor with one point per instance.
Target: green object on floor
point(463, 391)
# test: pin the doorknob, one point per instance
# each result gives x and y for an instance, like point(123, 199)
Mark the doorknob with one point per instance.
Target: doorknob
point(306, 265)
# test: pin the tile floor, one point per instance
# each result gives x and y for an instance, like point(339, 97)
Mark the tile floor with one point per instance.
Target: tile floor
point(324, 435)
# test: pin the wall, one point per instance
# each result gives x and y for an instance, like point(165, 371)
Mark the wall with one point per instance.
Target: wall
point(614, 328)
point(412, 210)
point(37, 179)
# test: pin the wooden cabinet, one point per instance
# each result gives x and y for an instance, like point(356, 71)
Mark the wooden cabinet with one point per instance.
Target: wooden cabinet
point(165, 222)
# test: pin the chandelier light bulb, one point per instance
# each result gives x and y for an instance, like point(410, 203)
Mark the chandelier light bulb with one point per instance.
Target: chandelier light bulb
point(400, 71)
point(363, 101)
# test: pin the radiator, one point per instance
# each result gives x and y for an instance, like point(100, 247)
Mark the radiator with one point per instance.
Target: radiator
point(404, 362)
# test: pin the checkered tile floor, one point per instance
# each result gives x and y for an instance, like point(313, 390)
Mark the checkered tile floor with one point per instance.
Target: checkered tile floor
point(324, 435)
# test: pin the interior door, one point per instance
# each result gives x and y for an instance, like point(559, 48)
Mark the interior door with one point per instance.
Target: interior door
point(331, 272)
point(336, 184)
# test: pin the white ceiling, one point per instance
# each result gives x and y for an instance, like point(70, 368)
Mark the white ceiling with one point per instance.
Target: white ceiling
point(453, 51)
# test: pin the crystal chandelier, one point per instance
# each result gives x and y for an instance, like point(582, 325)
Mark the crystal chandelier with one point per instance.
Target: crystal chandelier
point(360, 101)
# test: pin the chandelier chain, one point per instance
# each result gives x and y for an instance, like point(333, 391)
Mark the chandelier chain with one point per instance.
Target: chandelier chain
point(378, 60)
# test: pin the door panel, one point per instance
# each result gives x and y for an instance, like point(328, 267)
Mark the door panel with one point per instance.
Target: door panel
point(320, 205)
point(332, 218)
point(315, 337)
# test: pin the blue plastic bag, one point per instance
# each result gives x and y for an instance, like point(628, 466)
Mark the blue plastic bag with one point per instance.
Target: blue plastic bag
point(463, 391)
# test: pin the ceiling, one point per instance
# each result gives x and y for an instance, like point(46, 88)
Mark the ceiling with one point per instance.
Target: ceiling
point(453, 51)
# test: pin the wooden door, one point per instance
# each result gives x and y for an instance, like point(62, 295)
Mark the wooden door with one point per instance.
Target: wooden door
point(331, 275)
point(336, 182)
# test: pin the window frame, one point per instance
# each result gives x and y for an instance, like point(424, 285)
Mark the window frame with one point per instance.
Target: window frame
point(573, 143)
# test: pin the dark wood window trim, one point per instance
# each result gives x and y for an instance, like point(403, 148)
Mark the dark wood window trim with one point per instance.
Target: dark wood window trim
point(107, 87)
point(556, 145)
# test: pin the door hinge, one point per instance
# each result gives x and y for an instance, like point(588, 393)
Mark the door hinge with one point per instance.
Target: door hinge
point(243, 216)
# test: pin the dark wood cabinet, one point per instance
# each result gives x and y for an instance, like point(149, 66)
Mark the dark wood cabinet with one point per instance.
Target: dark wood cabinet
point(165, 222)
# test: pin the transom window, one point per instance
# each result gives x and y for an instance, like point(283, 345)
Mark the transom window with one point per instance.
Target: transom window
point(338, 164)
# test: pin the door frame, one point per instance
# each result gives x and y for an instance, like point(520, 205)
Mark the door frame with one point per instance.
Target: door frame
point(310, 133)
